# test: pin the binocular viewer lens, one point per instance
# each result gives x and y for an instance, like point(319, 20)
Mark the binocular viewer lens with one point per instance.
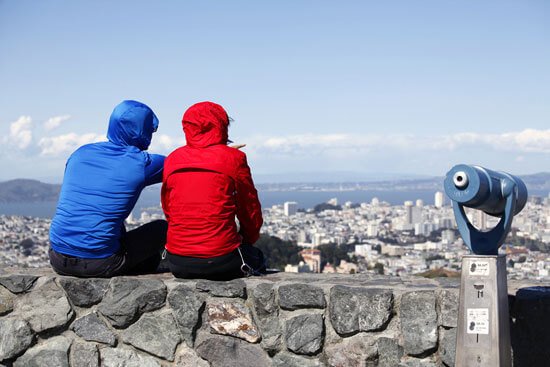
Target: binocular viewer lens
point(480, 188)
point(460, 179)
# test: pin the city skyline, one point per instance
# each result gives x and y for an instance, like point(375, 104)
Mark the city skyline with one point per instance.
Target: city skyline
point(372, 88)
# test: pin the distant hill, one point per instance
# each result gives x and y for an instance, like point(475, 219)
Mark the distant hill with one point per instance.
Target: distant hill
point(23, 190)
point(537, 181)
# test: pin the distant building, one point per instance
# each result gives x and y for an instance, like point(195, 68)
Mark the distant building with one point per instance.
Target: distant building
point(329, 268)
point(419, 203)
point(444, 223)
point(408, 212)
point(481, 219)
point(347, 267)
point(448, 236)
point(372, 229)
point(375, 201)
point(439, 199)
point(416, 215)
point(427, 246)
point(290, 208)
point(333, 201)
point(392, 250)
point(312, 257)
point(317, 238)
point(363, 249)
point(300, 268)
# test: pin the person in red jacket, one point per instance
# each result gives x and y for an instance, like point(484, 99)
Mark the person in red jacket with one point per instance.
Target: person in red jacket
point(206, 184)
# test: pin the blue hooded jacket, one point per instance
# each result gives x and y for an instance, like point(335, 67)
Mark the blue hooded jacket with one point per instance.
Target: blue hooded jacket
point(102, 184)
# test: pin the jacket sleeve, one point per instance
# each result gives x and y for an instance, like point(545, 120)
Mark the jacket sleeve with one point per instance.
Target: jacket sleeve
point(164, 191)
point(153, 169)
point(249, 210)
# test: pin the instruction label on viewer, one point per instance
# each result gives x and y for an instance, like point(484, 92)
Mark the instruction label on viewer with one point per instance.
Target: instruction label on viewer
point(479, 268)
point(477, 320)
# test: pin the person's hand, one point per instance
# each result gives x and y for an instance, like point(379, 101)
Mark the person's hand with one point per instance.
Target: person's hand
point(238, 146)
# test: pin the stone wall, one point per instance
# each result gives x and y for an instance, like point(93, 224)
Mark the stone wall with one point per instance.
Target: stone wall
point(278, 320)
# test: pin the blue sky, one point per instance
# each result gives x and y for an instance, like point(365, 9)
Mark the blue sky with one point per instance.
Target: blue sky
point(409, 87)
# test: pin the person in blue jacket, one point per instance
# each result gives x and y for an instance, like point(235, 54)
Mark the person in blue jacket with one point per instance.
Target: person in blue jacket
point(101, 185)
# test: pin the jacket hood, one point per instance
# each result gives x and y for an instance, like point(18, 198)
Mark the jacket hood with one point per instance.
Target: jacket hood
point(205, 124)
point(132, 123)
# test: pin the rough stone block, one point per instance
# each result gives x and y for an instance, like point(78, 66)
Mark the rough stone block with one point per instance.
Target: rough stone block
point(15, 337)
point(295, 296)
point(117, 357)
point(128, 298)
point(156, 334)
point(389, 352)
point(359, 350)
point(187, 307)
point(18, 283)
point(418, 322)
point(447, 346)
point(267, 316)
point(231, 289)
point(285, 359)
point(84, 292)
point(264, 300)
point(233, 319)
point(53, 352)
point(305, 334)
point(231, 352)
point(415, 362)
point(92, 328)
point(84, 355)
point(45, 308)
point(353, 309)
point(6, 301)
point(187, 357)
point(447, 307)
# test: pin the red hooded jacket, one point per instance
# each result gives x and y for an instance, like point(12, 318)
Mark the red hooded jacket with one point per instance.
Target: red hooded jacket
point(205, 185)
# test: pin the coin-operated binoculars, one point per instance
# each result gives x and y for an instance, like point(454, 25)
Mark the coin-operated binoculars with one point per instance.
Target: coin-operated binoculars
point(483, 335)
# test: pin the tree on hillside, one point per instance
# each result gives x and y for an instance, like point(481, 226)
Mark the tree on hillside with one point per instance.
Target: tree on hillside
point(332, 253)
point(26, 246)
point(278, 253)
point(326, 206)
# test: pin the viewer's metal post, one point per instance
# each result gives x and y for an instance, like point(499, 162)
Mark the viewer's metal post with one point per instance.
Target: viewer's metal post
point(483, 335)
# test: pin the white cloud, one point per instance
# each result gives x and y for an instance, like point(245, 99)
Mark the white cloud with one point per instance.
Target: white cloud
point(164, 144)
point(20, 132)
point(54, 122)
point(57, 145)
point(531, 140)
point(525, 141)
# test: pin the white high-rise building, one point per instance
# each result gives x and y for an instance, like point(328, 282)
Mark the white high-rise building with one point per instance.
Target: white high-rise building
point(333, 201)
point(408, 212)
point(419, 202)
point(317, 238)
point(439, 199)
point(290, 208)
point(481, 220)
point(375, 201)
point(447, 236)
point(372, 229)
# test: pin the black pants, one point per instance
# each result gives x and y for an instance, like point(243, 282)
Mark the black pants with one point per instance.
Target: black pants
point(140, 253)
point(224, 267)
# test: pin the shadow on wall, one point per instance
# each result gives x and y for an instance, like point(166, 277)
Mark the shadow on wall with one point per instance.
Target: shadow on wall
point(530, 326)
